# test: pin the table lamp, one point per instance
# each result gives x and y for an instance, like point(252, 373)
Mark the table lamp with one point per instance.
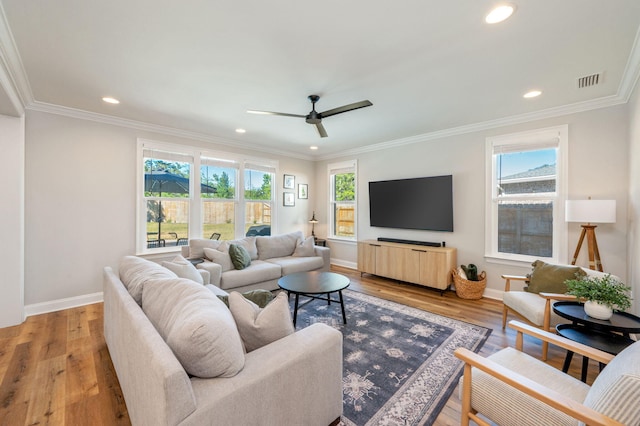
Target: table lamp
point(590, 211)
point(313, 222)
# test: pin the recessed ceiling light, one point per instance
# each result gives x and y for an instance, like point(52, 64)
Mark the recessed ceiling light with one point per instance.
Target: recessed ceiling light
point(499, 14)
point(313, 147)
point(241, 131)
point(532, 94)
point(110, 100)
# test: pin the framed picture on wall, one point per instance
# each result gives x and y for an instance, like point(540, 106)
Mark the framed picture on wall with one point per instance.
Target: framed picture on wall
point(289, 182)
point(303, 191)
point(289, 199)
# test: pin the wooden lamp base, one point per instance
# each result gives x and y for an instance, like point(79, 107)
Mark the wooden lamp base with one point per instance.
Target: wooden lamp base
point(592, 246)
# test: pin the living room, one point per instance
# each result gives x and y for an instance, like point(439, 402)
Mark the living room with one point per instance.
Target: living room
point(69, 192)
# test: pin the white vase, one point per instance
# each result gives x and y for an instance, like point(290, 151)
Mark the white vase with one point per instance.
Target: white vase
point(597, 310)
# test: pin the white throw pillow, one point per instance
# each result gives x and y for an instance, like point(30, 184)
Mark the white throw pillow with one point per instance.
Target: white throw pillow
point(305, 248)
point(259, 327)
point(220, 256)
point(184, 269)
point(196, 325)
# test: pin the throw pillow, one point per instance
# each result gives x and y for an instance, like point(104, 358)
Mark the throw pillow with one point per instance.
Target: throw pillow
point(305, 248)
point(259, 297)
point(197, 327)
point(259, 327)
point(548, 278)
point(239, 256)
point(221, 257)
point(136, 272)
point(184, 269)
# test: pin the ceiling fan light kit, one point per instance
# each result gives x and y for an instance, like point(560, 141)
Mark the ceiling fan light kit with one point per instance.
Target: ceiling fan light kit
point(315, 117)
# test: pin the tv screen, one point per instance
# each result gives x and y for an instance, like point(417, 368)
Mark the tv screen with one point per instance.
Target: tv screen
point(421, 203)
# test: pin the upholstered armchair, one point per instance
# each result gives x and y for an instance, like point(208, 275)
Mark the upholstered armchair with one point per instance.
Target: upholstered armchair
point(545, 285)
point(513, 388)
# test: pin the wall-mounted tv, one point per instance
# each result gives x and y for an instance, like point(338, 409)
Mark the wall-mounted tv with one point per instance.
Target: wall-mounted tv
point(421, 203)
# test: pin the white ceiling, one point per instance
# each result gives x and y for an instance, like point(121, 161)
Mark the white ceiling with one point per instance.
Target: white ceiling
point(427, 66)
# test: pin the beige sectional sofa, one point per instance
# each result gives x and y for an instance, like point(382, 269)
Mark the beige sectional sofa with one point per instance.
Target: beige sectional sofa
point(271, 258)
point(294, 380)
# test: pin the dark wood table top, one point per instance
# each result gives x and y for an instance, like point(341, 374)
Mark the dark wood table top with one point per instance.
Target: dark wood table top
point(621, 322)
point(314, 282)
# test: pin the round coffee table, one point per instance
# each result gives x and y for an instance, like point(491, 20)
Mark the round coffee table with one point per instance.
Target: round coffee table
point(314, 284)
point(599, 334)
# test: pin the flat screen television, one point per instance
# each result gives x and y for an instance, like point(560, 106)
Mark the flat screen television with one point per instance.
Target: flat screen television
point(421, 203)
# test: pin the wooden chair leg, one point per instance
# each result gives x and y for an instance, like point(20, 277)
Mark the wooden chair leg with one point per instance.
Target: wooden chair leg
point(466, 396)
point(504, 316)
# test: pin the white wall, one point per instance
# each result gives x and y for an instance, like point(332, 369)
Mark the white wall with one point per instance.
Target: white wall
point(80, 204)
point(12, 220)
point(634, 198)
point(598, 167)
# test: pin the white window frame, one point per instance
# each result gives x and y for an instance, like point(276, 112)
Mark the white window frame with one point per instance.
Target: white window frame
point(195, 206)
point(558, 137)
point(332, 170)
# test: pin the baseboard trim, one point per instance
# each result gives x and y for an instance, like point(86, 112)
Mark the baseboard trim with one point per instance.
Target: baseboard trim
point(60, 304)
point(344, 264)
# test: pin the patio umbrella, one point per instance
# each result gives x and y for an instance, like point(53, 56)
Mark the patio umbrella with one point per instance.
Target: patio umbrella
point(164, 182)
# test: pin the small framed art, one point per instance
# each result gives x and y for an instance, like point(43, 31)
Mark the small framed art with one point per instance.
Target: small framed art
point(303, 191)
point(289, 199)
point(289, 182)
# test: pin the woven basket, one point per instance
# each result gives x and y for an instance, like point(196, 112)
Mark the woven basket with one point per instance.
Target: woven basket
point(466, 289)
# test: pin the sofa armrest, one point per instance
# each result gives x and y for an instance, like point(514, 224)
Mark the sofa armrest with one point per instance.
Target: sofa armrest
point(215, 272)
point(304, 367)
point(206, 276)
point(184, 251)
point(325, 253)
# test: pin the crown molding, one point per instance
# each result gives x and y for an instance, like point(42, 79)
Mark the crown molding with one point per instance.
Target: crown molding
point(604, 102)
point(154, 128)
point(631, 71)
point(13, 77)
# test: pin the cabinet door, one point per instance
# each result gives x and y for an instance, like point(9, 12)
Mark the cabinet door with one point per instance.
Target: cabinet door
point(434, 269)
point(367, 258)
point(411, 265)
point(389, 262)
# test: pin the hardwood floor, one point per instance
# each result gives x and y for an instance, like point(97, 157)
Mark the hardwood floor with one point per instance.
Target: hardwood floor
point(55, 368)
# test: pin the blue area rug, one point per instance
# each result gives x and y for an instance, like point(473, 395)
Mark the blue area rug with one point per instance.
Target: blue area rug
point(399, 367)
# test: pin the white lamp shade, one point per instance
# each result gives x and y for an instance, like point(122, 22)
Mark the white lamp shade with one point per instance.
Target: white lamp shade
point(590, 211)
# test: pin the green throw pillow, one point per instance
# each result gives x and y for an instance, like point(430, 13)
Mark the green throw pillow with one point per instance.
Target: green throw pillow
point(259, 297)
point(547, 278)
point(239, 256)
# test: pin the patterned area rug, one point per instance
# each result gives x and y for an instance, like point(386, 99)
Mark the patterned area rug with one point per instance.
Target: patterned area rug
point(399, 367)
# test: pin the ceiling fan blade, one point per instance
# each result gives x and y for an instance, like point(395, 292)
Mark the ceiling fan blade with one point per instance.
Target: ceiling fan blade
point(345, 108)
point(284, 114)
point(321, 130)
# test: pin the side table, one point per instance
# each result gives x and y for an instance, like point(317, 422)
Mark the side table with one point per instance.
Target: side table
point(610, 336)
point(320, 242)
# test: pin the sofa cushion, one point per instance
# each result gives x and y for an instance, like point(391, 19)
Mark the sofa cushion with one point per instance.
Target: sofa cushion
point(616, 390)
point(548, 278)
point(277, 245)
point(197, 246)
point(259, 327)
point(220, 256)
point(183, 269)
point(291, 265)
point(305, 248)
point(259, 297)
point(196, 325)
point(257, 272)
point(135, 272)
point(249, 243)
point(239, 256)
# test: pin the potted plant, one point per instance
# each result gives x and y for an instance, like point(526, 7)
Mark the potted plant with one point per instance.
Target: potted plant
point(601, 295)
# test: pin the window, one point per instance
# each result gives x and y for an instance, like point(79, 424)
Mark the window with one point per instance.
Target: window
point(166, 197)
point(526, 188)
point(342, 215)
point(218, 180)
point(258, 198)
point(187, 193)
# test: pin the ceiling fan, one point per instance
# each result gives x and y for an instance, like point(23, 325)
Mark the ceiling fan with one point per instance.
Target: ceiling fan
point(315, 117)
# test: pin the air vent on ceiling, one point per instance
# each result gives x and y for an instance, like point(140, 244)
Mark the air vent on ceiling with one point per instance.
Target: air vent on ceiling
point(589, 80)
